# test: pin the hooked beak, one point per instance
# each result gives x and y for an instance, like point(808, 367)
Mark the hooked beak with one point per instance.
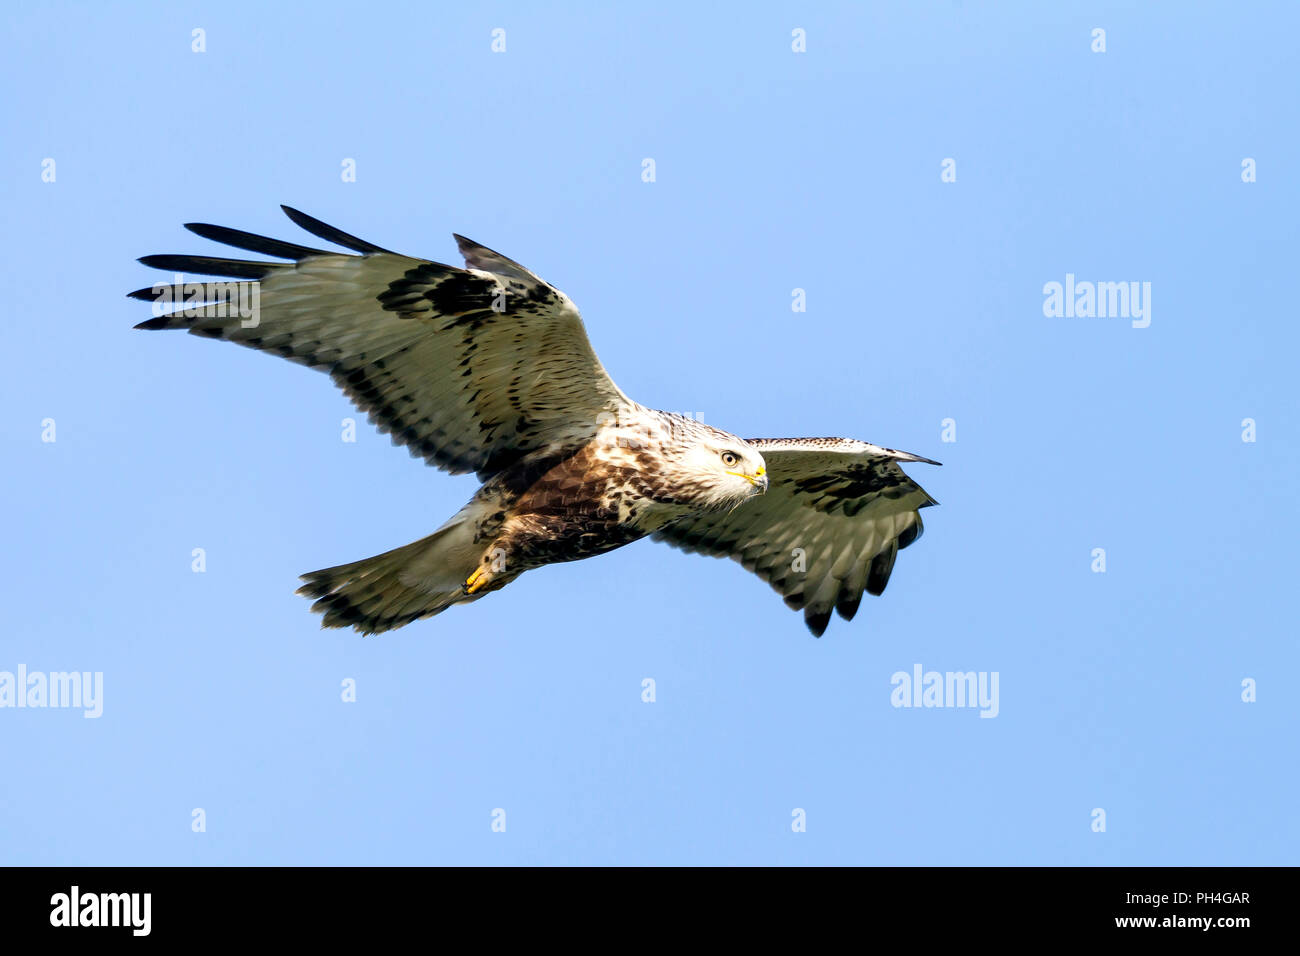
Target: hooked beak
point(758, 479)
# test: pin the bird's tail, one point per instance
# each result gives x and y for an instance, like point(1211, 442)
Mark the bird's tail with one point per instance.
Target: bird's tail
point(397, 587)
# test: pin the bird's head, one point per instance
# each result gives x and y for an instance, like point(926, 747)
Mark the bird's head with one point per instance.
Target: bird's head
point(723, 471)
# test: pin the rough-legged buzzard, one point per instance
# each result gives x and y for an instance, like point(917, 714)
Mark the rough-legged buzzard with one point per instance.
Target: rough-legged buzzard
point(487, 369)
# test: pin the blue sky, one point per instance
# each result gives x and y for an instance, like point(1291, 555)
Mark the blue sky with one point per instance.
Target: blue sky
point(775, 170)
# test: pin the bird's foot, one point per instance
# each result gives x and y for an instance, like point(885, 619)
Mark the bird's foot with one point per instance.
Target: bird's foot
point(480, 577)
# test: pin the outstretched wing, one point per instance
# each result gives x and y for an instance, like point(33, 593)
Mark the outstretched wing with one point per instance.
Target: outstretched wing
point(835, 515)
point(470, 368)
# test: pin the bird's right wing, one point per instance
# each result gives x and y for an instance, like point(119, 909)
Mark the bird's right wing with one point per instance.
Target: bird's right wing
point(470, 368)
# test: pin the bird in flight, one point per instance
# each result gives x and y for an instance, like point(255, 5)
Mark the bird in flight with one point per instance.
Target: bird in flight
point(487, 369)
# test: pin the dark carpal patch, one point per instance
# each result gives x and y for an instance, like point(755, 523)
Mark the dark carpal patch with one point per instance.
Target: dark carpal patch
point(852, 488)
point(465, 298)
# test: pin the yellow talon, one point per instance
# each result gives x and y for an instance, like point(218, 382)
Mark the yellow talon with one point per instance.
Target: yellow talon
point(475, 581)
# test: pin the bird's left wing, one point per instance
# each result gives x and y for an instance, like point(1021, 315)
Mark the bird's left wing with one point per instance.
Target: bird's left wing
point(835, 516)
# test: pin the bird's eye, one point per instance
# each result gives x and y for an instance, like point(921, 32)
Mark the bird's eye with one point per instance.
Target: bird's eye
point(730, 459)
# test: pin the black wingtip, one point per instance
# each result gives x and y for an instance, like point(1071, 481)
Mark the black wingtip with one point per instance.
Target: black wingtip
point(848, 607)
point(817, 623)
point(153, 325)
point(149, 293)
point(324, 230)
point(911, 533)
point(211, 266)
point(255, 243)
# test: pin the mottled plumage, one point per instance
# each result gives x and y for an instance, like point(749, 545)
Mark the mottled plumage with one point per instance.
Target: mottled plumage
point(487, 369)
